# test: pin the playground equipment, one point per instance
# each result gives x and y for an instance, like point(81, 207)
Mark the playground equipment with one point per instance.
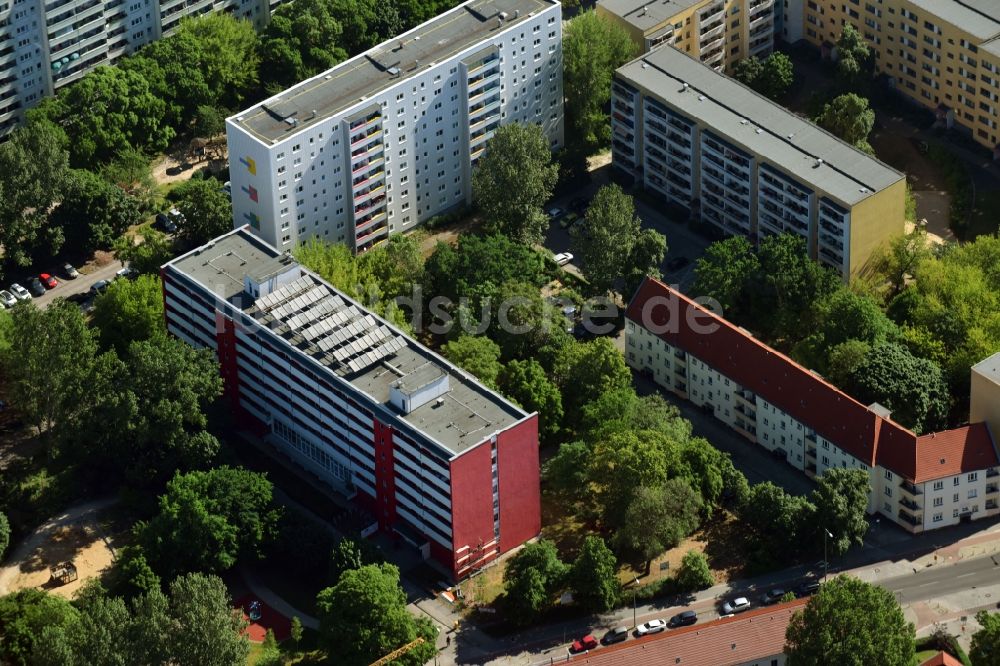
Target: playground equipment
point(62, 573)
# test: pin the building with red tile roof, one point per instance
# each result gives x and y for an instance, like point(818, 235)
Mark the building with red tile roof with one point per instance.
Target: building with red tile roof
point(921, 482)
point(754, 637)
point(941, 659)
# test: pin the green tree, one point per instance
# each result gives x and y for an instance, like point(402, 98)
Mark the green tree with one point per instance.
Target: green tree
point(567, 474)
point(93, 212)
point(229, 55)
point(658, 518)
point(295, 631)
point(301, 40)
point(513, 180)
point(129, 170)
point(606, 247)
point(526, 383)
point(148, 256)
point(50, 371)
point(770, 77)
point(23, 617)
point(694, 573)
point(112, 109)
point(207, 520)
point(350, 554)
point(584, 370)
point(149, 418)
point(901, 259)
point(724, 271)
point(593, 49)
point(135, 576)
point(846, 315)
point(203, 627)
point(849, 117)
point(209, 121)
point(853, 623)
point(207, 211)
point(841, 500)
point(531, 579)
point(479, 263)
point(748, 71)
point(774, 517)
point(593, 577)
point(363, 617)
point(477, 354)
point(129, 311)
point(912, 388)
point(853, 54)
point(985, 649)
point(367, 23)
point(4, 534)
point(34, 162)
point(844, 360)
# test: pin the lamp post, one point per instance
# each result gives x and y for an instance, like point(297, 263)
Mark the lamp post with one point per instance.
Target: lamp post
point(826, 564)
point(635, 584)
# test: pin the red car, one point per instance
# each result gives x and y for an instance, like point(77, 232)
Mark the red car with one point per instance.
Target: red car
point(49, 281)
point(588, 642)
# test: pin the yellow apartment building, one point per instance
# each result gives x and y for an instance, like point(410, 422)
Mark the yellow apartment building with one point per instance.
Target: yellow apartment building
point(942, 54)
point(718, 32)
point(700, 140)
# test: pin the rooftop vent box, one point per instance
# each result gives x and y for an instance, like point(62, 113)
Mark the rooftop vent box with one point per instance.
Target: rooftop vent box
point(419, 387)
point(881, 410)
point(275, 273)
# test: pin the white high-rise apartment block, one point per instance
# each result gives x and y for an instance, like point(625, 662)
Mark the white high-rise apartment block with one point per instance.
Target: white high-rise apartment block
point(389, 138)
point(46, 45)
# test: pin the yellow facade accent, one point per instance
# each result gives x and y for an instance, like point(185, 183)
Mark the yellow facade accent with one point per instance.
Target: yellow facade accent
point(874, 222)
point(718, 32)
point(942, 54)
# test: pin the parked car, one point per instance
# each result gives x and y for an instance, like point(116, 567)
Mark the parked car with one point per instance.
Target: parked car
point(47, 280)
point(616, 635)
point(737, 605)
point(579, 204)
point(70, 272)
point(806, 588)
point(165, 224)
point(772, 596)
point(36, 286)
point(684, 619)
point(99, 287)
point(588, 642)
point(128, 273)
point(7, 299)
point(568, 219)
point(20, 293)
point(555, 213)
point(563, 258)
point(651, 627)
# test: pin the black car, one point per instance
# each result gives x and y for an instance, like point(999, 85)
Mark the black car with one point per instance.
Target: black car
point(807, 588)
point(772, 596)
point(685, 619)
point(616, 635)
point(164, 223)
point(578, 205)
point(35, 286)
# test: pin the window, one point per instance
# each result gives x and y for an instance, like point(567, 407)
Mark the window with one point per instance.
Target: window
point(956, 481)
point(938, 501)
point(938, 485)
point(888, 491)
point(938, 517)
point(972, 477)
point(973, 493)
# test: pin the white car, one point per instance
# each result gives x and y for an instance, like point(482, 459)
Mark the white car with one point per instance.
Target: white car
point(737, 605)
point(563, 258)
point(20, 293)
point(651, 627)
point(7, 299)
point(555, 213)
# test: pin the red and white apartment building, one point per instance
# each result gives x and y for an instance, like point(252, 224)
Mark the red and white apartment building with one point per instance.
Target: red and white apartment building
point(435, 456)
point(921, 482)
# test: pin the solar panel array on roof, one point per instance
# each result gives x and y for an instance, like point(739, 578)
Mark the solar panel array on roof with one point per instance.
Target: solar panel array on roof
point(299, 302)
point(268, 302)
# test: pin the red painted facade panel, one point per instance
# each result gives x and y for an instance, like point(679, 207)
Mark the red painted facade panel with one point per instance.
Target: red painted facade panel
point(520, 485)
point(225, 340)
point(471, 504)
point(385, 477)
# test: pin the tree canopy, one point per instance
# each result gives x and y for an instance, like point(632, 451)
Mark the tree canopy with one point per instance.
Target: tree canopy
point(851, 623)
point(207, 520)
point(129, 311)
point(985, 649)
point(363, 617)
point(593, 577)
point(841, 501)
point(849, 117)
point(593, 48)
point(93, 212)
point(207, 211)
point(513, 180)
point(658, 518)
point(531, 579)
point(853, 54)
point(477, 354)
point(770, 77)
point(526, 383)
point(24, 616)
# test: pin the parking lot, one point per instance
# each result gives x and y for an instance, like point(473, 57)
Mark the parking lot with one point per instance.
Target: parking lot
point(682, 241)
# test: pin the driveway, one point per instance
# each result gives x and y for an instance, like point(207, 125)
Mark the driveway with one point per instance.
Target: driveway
point(82, 284)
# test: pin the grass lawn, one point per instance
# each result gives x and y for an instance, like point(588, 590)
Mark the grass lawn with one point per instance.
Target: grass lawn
point(924, 655)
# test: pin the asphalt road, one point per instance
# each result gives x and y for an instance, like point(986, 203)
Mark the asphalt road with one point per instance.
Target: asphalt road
point(940, 581)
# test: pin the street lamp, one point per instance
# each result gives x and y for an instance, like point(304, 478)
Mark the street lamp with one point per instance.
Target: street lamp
point(635, 584)
point(826, 564)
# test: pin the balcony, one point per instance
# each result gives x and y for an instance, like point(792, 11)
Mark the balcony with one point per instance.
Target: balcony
point(991, 504)
point(992, 488)
point(811, 454)
point(911, 489)
point(909, 504)
point(992, 472)
point(370, 136)
point(908, 518)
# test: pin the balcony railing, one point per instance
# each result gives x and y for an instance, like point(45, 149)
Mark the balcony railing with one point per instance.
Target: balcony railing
point(908, 518)
point(908, 487)
point(909, 504)
point(992, 488)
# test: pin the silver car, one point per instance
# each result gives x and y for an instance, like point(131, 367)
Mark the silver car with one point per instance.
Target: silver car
point(7, 299)
point(20, 293)
point(651, 627)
